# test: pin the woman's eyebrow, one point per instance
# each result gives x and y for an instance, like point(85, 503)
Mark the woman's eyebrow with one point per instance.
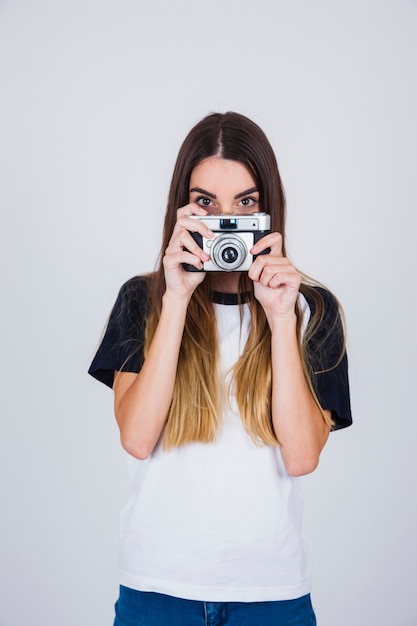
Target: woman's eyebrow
point(245, 193)
point(213, 195)
point(204, 192)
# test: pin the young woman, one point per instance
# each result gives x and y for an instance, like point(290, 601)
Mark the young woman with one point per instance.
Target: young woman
point(226, 386)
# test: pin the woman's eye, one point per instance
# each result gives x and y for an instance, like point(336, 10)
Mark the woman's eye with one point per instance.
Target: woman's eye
point(203, 201)
point(248, 202)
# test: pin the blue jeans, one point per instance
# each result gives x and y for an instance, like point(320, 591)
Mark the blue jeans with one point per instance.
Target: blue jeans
point(139, 608)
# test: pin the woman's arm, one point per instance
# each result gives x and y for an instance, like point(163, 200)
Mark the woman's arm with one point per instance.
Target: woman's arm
point(142, 400)
point(297, 420)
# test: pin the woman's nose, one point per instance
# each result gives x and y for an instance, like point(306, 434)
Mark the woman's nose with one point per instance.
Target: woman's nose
point(224, 210)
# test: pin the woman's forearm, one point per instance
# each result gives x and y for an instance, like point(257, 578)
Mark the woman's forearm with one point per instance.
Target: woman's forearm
point(297, 420)
point(142, 400)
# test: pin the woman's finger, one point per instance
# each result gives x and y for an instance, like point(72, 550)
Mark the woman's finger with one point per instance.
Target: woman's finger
point(272, 241)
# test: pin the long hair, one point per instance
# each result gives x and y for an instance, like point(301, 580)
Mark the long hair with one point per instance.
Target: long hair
point(194, 414)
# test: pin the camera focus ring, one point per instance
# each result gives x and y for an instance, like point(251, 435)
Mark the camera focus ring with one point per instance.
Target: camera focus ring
point(228, 252)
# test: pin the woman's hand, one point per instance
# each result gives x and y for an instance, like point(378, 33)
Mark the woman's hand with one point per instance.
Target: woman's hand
point(276, 280)
point(297, 420)
point(141, 402)
point(183, 249)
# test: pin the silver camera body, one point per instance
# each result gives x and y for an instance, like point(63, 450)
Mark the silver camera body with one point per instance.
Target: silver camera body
point(234, 236)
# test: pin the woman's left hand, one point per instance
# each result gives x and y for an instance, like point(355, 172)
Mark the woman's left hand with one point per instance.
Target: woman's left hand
point(276, 280)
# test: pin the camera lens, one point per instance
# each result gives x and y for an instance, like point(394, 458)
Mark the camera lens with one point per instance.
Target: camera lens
point(229, 255)
point(228, 252)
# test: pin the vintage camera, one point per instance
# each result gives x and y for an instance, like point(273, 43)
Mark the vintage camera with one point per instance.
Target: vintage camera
point(234, 236)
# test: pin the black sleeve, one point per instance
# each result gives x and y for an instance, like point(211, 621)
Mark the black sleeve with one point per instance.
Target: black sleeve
point(121, 348)
point(330, 372)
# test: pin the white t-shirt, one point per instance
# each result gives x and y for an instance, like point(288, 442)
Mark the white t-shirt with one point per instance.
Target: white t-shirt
point(216, 522)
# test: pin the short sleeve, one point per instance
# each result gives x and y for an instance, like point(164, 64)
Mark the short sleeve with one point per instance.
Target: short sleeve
point(329, 361)
point(121, 348)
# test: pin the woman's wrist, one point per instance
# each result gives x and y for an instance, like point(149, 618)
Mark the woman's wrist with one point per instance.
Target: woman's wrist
point(282, 323)
point(175, 301)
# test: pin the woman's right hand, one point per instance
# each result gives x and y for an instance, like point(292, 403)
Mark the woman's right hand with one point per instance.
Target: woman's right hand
point(141, 404)
point(183, 249)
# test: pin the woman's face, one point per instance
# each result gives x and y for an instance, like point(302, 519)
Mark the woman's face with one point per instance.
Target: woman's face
point(223, 186)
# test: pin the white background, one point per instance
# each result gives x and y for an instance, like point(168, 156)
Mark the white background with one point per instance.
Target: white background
point(96, 97)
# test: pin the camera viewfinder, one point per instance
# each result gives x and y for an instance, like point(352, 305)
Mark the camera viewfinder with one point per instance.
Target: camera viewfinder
point(228, 222)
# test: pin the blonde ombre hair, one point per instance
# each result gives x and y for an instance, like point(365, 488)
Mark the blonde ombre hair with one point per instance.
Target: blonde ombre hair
point(195, 411)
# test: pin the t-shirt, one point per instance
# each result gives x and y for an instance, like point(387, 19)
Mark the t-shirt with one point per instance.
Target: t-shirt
point(219, 521)
point(121, 348)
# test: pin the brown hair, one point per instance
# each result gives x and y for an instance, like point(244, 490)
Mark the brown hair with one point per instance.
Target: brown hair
point(194, 414)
